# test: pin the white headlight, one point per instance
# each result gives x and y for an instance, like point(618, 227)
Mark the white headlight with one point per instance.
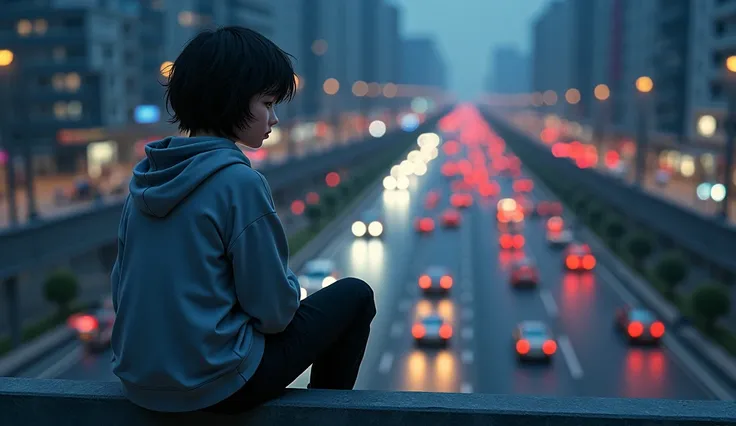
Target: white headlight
point(327, 281)
point(359, 229)
point(375, 228)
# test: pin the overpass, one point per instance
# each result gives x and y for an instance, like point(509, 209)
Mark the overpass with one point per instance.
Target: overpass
point(705, 237)
point(76, 403)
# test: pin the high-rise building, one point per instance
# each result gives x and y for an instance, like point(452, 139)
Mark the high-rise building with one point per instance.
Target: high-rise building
point(71, 71)
point(582, 23)
point(552, 58)
point(423, 63)
point(509, 72)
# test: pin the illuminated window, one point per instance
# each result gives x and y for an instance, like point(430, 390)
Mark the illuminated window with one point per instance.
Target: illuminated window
point(60, 110)
point(74, 110)
point(58, 81)
point(41, 26)
point(24, 27)
point(73, 81)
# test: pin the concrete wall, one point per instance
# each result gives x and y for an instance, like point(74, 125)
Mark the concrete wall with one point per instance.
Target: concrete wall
point(75, 403)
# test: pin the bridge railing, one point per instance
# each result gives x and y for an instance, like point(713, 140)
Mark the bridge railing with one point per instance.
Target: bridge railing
point(75, 403)
point(35, 244)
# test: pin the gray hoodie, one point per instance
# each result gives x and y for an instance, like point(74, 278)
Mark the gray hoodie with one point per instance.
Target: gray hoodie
point(201, 275)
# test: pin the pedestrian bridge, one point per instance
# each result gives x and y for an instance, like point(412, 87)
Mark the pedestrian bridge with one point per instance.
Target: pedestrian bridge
point(75, 403)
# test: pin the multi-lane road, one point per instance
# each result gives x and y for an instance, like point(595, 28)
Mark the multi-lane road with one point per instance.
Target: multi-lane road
point(592, 360)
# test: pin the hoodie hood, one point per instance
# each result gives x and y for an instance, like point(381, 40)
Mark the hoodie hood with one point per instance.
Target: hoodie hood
point(174, 167)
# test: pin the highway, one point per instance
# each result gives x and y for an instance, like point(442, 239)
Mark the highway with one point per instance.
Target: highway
point(592, 359)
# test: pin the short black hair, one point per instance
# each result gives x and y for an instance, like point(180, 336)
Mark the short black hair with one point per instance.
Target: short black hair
point(210, 85)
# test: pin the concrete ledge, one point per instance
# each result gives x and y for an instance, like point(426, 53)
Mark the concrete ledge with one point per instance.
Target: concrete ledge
point(75, 403)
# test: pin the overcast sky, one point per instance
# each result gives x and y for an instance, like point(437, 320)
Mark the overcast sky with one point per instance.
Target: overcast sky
point(467, 31)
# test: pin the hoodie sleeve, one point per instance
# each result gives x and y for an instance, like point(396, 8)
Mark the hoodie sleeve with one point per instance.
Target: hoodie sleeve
point(266, 288)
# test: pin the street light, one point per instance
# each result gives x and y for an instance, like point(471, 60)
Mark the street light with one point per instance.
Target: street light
point(644, 85)
point(6, 57)
point(730, 133)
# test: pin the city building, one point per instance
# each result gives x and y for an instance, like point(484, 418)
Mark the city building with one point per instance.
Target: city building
point(423, 63)
point(552, 57)
point(70, 72)
point(509, 72)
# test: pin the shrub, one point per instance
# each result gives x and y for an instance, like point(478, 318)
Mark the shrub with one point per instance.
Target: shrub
point(596, 216)
point(710, 302)
point(330, 198)
point(314, 214)
point(61, 288)
point(640, 247)
point(614, 230)
point(671, 270)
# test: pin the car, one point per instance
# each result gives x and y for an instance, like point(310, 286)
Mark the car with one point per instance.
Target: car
point(431, 330)
point(523, 185)
point(508, 210)
point(578, 257)
point(511, 241)
point(460, 186)
point(461, 200)
point(548, 208)
point(534, 341)
point(94, 329)
point(555, 224)
point(450, 218)
point(524, 273)
point(640, 325)
point(559, 238)
point(424, 225)
point(435, 280)
point(317, 274)
point(370, 224)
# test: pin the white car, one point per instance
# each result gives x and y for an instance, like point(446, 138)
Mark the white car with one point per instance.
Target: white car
point(316, 275)
point(370, 224)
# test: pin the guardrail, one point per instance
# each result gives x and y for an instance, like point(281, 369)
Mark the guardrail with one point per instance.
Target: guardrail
point(26, 247)
point(76, 403)
point(704, 236)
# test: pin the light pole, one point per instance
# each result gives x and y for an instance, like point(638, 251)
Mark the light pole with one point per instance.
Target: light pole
point(602, 93)
point(6, 61)
point(730, 134)
point(644, 86)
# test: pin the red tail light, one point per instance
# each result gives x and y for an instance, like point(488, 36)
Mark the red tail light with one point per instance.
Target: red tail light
point(522, 347)
point(656, 329)
point(446, 282)
point(425, 282)
point(84, 323)
point(572, 262)
point(635, 329)
point(445, 331)
point(588, 262)
point(418, 331)
point(518, 241)
point(549, 347)
point(506, 241)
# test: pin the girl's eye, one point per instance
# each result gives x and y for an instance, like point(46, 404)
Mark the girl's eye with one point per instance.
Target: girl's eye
point(269, 104)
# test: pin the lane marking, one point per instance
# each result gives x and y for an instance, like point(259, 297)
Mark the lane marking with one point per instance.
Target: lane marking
point(387, 360)
point(466, 297)
point(466, 388)
point(680, 355)
point(467, 333)
point(467, 357)
point(549, 303)
point(405, 305)
point(467, 314)
point(568, 353)
point(397, 329)
point(63, 365)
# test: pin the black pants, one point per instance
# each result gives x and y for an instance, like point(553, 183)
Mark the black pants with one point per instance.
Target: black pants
point(329, 332)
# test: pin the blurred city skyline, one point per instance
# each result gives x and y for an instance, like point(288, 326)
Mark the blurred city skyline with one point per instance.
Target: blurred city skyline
point(468, 34)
